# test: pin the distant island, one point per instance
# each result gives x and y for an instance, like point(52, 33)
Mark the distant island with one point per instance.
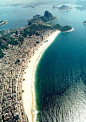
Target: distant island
point(27, 6)
point(54, 6)
point(81, 4)
point(81, 7)
point(84, 22)
point(14, 4)
point(64, 8)
point(3, 22)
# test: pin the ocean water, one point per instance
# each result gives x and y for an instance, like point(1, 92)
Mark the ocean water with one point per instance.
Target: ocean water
point(60, 78)
point(17, 16)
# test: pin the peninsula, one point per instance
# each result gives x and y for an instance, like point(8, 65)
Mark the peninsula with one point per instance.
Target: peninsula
point(67, 29)
point(3, 22)
point(35, 25)
point(20, 50)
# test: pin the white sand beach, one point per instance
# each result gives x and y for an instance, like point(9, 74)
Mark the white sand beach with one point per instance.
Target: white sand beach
point(28, 84)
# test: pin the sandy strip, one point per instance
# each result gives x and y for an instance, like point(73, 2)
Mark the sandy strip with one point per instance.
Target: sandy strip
point(28, 84)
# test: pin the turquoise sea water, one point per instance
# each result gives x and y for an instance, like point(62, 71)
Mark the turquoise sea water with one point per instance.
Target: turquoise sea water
point(61, 73)
point(60, 78)
point(17, 16)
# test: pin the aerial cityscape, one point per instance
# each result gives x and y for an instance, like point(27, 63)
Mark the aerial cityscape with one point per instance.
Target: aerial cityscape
point(43, 61)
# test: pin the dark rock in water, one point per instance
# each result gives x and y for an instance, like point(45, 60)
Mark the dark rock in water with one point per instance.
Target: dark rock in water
point(84, 22)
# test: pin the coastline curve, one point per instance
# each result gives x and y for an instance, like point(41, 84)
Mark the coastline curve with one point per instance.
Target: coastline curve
point(28, 95)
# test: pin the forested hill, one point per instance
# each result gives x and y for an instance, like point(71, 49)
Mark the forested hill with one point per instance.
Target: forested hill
point(36, 25)
point(42, 19)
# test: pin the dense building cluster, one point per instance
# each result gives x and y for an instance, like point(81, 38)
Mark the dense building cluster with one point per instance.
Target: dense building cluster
point(12, 69)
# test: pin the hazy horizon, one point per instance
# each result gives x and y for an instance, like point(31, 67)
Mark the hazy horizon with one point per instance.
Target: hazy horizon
point(36, 1)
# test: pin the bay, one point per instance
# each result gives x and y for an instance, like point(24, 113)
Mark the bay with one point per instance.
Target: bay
point(61, 73)
point(60, 79)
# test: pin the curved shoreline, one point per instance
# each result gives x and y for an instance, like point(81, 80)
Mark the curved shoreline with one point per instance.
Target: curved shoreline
point(28, 84)
point(68, 30)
